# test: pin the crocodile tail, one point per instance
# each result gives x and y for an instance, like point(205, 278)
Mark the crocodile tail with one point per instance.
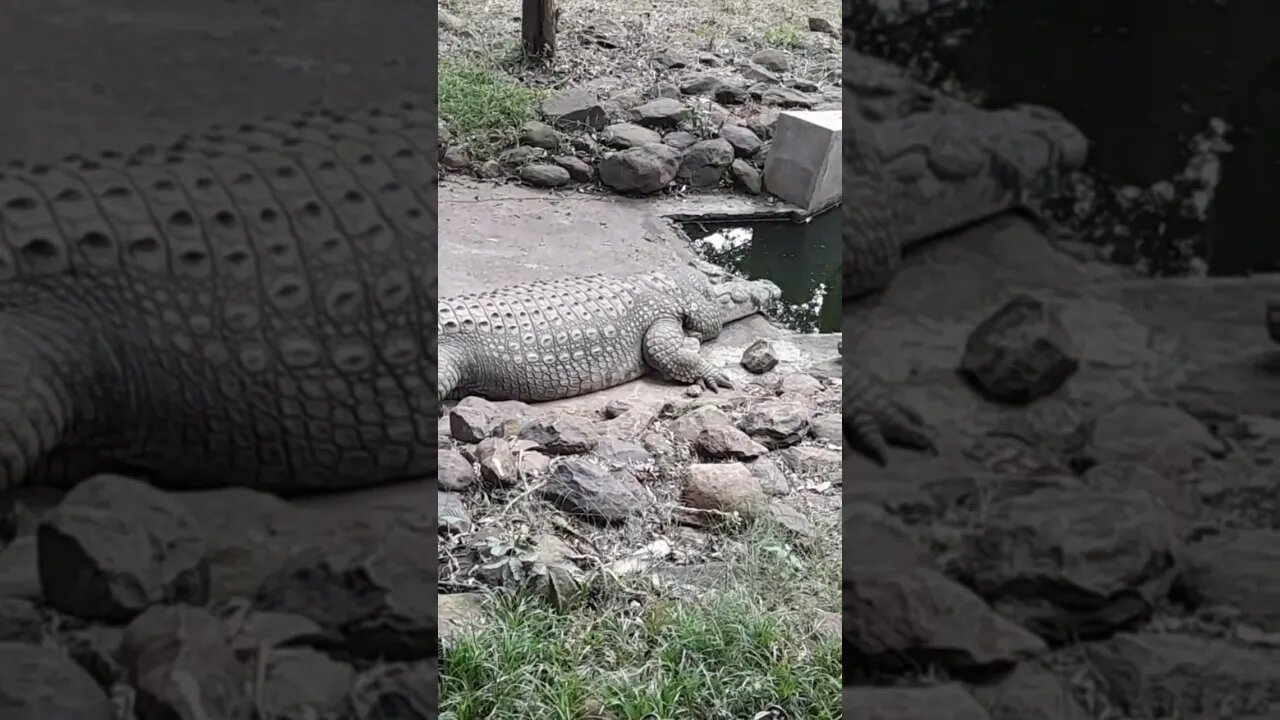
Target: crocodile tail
point(37, 383)
point(450, 364)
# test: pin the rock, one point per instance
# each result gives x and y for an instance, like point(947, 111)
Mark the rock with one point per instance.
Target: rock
point(301, 682)
point(96, 648)
point(1160, 438)
point(622, 452)
point(770, 476)
point(800, 384)
point(660, 113)
point(628, 135)
point(673, 59)
point(497, 463)
point(521, 155)
point(572, 109)
point(544, 176)
point(746, 177)
point(689, 425)
point(179, 659)
point(616, 408)
point(20, 621)
point(1102, 563)
point(701, 84)
point(705, 163)
point(643, 170)
point(724, 487)
point(710, 59)
point(874, 538)
point(680, 139)
point(776, 423)
point(455, 473)
point(116, 546)
point(772, 60)
point(665, 90)
point(396, 690)
point(938, 702)
point(727, 94)
point(1020, 354)
point(561, 434)
point(1241, 570)
point(366, 584)
point(491, 170)
point(1174, 675)
point(579, 171)
point(540, 135)
point(899, 618)
point(760, 357)
point(745, 143)
point(803, 85)
point(815, 463)
point(456, 158)
point(725, 442)
point(38, 683)
point(459, 613)
point(756, 74)
point(822, 25)
point(791, 520)
point(1030, 692)
point(591, 492)
point(786, 97)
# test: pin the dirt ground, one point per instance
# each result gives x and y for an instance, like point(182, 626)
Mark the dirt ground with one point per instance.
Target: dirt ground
point(83, 76)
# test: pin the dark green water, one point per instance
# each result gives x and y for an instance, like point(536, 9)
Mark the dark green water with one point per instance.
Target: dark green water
point(803, 259)
point(1139, 77)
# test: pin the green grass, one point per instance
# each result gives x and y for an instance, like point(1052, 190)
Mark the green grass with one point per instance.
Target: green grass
point(787, 37)
point(723, 655)
point(482, 107)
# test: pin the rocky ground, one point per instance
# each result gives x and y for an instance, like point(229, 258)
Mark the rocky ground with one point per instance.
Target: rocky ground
point(1097, 536)
point(641, 97)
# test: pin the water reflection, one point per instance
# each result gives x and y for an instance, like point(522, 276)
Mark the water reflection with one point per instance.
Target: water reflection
point(802, 258)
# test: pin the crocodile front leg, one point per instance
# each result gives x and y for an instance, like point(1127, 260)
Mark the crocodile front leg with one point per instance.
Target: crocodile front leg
point(665, 351)
point(874, 417)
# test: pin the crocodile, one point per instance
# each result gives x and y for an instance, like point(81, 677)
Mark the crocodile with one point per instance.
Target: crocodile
point(917, 164)
point(245, 306)
point(565, 337)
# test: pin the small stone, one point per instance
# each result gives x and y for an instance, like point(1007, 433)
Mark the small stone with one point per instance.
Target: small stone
point(680, 140)
point(622, 452)
point(561, 434)
point(803, 85)
point(665, 90)
point(579, 170)
point(772, 60)
point(746, 177)
point(490, 170)
point(673, 59)
point(591, 492)
point(174, 653)
point(705, 163)
point(700, 84)
point(725, 442)
point(497, 462)
point(456, 158)
point(540, 135)
point(724, 487)
point(472, 419)
point(454, 471)
point(643, 170)
point(745, 143)
point(20, 621)
point(570, 109)
point(38, 682)
point(451, 514)
point(757, 74)
point(760, 357)
point(822, 25)
point(731, 94)
point(615, 408)
point(710, 59)
point(521, 155)
point(396, 690)
point(628, 135)
point(544, 176)
point(802, 384)
point(786, 97)
point(662, 112)
point(763, 123)
point(776, 423)
point(1020, 353)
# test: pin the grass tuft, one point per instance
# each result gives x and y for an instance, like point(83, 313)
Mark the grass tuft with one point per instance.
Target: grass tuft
point(483, 108)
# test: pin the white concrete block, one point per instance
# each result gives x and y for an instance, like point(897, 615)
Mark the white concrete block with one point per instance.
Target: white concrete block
point(803, 166)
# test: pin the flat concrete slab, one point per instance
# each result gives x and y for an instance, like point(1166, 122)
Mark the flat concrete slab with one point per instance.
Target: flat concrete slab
point(803, 167)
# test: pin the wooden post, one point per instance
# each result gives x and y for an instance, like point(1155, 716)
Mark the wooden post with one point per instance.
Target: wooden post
point(540, 27)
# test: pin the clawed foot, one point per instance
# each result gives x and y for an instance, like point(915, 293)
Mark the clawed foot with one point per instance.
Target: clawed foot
point(713, 380)
point(874, 418)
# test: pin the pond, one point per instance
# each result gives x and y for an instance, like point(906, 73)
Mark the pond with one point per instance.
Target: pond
point(1141, 79)
point(802, 258)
